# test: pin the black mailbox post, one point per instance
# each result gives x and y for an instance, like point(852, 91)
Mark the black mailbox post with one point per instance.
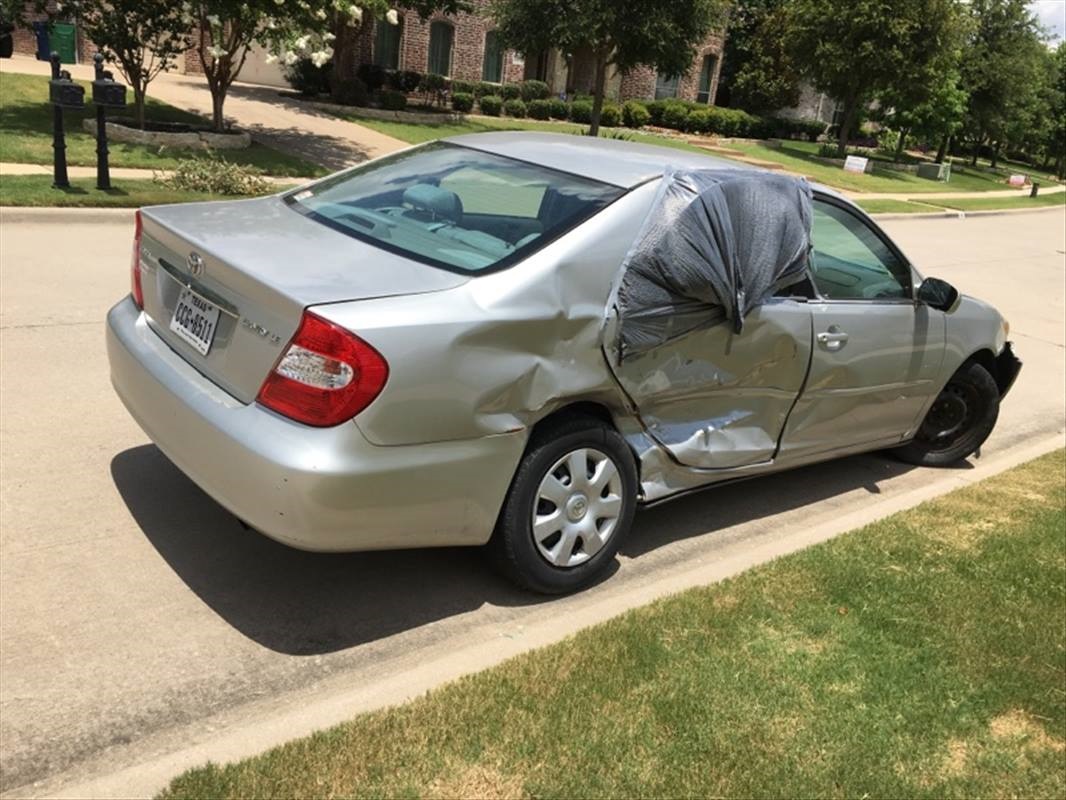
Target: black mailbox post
point(62, 93)
point(107, 93)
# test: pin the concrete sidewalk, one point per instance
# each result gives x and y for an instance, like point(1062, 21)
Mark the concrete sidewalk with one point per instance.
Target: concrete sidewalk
point(281, 123)
point(128, 173)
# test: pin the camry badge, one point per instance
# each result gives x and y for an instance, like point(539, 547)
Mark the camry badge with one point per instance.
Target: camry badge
point(196, 264)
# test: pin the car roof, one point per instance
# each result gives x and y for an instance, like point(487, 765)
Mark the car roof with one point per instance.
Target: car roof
point(614, 161)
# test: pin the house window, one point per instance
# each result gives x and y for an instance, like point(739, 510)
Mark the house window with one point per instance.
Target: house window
point(706, 78)
point(440, 48)
point(666, 86)
point(387, 44)
point(492, 67)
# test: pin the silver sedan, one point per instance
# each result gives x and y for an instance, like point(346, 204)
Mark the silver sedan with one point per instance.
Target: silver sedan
point(517, 339)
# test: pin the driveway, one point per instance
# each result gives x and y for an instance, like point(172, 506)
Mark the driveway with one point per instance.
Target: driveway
point(139, 619)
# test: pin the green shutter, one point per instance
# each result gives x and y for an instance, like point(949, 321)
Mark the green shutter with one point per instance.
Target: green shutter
point(440, 48)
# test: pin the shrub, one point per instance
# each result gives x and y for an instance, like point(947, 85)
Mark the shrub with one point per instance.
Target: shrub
point(560, 109)
point(483, 88)
point(406, 81)
point(581, 111)
point(216, 175)
point(828, 150)
point(351, 92)
point(391, 100)
point(656, 109)
point(675, 115)
point(811, 128)
point(610, 115)
point(540, 109)
point(635, 114)
point(534, 90)
point(491, 105)
point(463, 87)
point(699, 121)
point(434, 86)
point(372, 75)
point(307, 79)
point(511, 91)
point(515, 108)
point(462, 101)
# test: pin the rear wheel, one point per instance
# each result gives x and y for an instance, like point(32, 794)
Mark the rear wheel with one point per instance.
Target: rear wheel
point(569, 507)
point(959, 421)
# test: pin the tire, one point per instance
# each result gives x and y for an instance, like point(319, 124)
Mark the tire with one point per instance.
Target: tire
point(959, 421)
point(573, 544)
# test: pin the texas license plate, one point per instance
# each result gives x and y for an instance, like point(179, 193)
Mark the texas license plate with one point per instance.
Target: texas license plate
point(195, 320)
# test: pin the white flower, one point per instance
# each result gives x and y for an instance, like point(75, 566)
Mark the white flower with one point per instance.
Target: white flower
point(216, 51)
point(328, 37)
point(279, 2)
point(271, 58)
point(356, 13)
point(321, 13)
point(301, 43)
point(289, 58)
point(392, 17)
point(213, 20)
point(320, 57)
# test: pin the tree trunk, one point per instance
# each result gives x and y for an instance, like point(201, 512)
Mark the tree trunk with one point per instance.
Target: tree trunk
point(899, 145)
point(138, 104)
point(218, 97)
point(942, 151)
point(597, 92)
point(851, 107)
point(995, 154)
point(977, 147)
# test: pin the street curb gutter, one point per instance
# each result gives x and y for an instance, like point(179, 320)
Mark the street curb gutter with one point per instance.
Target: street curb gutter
point(307, 713)
point(13, 215)
point(954, 214)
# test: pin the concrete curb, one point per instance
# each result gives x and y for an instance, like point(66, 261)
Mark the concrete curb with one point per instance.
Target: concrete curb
point(10, 215)
point(954, 214)
point(314, 710)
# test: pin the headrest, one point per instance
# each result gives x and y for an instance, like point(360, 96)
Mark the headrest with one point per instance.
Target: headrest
point(439, 202)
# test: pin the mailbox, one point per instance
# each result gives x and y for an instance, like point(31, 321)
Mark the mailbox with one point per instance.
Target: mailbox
point(65, 93)
point(107, 92)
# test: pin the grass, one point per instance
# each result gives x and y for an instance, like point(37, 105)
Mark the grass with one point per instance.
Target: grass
point(36, 190)
point(923, 656)
point(989, 203)
point(26, 135)
point(800, 157)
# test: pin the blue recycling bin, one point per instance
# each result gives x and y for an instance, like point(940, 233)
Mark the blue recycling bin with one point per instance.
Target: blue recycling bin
point(44, 45)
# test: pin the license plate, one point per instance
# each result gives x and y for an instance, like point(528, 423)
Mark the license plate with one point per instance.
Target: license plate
point(195, 320)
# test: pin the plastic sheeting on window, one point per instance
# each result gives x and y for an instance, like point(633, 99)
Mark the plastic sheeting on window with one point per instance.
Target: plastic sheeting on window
point(715, 244)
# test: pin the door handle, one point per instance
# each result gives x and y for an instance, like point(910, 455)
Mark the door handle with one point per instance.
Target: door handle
point(833, 339)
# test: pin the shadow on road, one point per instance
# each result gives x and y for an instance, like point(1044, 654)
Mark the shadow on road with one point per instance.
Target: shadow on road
point(310, 603)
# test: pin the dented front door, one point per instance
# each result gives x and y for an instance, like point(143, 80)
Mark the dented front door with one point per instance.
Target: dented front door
point(719, 399)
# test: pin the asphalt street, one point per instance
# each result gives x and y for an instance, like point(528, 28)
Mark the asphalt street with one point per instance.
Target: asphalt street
point(137, 617)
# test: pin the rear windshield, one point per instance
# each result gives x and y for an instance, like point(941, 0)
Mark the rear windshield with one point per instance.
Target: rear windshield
point(454, 207)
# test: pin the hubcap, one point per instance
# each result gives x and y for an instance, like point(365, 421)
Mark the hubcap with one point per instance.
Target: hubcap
point(577, 507)
point(950, 416)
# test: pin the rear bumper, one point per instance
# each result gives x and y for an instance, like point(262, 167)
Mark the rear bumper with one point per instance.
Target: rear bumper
point(322, 489)
point(1008, 366)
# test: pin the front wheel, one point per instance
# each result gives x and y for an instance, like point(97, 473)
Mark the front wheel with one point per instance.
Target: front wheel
point(958, 422)
point(570, 505)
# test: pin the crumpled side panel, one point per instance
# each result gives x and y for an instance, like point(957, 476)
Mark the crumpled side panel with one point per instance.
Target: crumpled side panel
point(714, 245)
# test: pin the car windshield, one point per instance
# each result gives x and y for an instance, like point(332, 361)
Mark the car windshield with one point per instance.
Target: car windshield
point(454, 207)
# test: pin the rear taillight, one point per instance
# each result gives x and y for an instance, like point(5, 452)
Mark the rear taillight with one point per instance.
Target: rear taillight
point(326, 376)
point(135, 263)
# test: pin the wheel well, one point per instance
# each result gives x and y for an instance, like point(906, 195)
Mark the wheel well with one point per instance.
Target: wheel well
point(585, 408)
point(986, 359)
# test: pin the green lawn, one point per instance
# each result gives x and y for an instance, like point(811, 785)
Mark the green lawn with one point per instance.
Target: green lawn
point(990, 203)
point(799, 157)
point(36, 190)
point(26, 135)
point(416, 133)
point(923, 656)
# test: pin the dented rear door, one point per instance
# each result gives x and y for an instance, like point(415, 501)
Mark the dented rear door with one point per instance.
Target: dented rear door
point(718, 399)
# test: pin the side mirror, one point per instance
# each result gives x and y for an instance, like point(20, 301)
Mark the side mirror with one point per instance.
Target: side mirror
point(937, 294)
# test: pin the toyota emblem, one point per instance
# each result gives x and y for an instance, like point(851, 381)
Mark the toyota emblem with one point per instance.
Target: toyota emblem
point(196, 264)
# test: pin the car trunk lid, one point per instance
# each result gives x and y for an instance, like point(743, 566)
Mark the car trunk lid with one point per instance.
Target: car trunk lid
point(260, 264)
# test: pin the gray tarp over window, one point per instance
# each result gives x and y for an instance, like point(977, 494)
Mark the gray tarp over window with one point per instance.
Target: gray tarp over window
point(715, 244)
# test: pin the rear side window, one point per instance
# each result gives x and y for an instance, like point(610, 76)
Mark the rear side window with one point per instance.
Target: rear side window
point(454, 207)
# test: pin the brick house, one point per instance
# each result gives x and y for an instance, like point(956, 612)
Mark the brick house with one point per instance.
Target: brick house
point(466, 47)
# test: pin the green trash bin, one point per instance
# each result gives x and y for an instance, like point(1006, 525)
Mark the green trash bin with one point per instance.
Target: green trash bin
point(63, 40)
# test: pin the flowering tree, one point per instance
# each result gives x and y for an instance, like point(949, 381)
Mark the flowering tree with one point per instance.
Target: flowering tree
point(289, 29)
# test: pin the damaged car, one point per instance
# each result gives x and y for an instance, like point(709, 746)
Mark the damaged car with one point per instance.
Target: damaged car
point(517, 339)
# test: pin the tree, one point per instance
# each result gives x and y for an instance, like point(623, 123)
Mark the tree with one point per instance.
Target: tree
point(856, 50)
point(1000, 66)
point(757, 70)
point(141, 37)
point(620, 33)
